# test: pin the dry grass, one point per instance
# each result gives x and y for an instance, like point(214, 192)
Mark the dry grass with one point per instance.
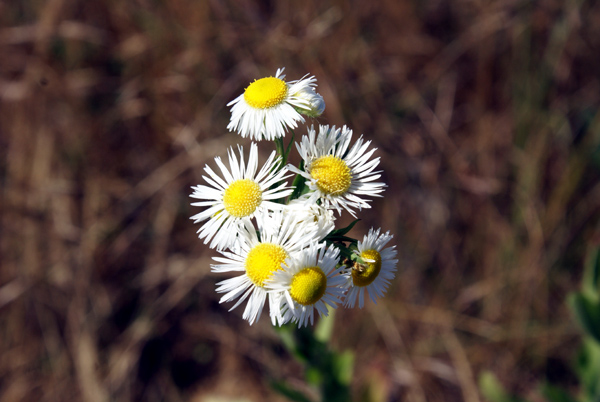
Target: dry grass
point(485, 115)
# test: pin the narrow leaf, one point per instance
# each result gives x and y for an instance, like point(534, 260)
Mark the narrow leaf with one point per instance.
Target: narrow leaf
point(588, 368)
point(324, 328)
point(286, 334)
point(493, 390)
point(556, 394)
point(587, 312)
point(343, 366)
point(343, 231)
point(591, 279)
point(335, 238)
point(288, 392)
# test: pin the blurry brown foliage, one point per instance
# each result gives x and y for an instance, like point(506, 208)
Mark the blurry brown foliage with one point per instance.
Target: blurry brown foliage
point(486, 118)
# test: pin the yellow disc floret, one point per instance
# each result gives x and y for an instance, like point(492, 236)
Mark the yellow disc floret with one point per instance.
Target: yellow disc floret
point(266, 93)
point(242, 197)
point(365, 274)
point(262, 260)
point(308, 286)
point(332, 174)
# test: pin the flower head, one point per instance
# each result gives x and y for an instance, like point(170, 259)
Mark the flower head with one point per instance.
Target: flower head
point(269, 106)
point(374, 273)
point(238, 195)
point(321, 217)
point(337, 174)
point(315, 102)
point(258, 258)
point(309, 282)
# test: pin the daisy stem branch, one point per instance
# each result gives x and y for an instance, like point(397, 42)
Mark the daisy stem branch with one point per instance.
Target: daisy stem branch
point(327, 370)
point(281, 152)
point(299, 184)
point(289, 147)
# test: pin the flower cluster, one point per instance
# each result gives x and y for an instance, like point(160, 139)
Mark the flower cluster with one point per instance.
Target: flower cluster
point(281, 239)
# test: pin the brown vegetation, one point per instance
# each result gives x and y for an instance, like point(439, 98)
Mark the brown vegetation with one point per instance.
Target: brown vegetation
point(485, 116)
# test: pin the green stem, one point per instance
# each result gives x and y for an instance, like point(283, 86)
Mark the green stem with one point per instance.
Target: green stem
point(299, 184)
point(280, 151)
point(326, 370)
point(284, 151)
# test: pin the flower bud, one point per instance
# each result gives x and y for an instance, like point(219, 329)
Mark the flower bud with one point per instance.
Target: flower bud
point(315, 102)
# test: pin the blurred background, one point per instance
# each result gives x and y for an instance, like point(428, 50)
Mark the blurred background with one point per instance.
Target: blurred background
point(485, 115)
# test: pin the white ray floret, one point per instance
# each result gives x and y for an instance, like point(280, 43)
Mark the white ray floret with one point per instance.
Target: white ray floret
point(322, 217)
point(237, 195)
point(258, 256)
point(270, 106)
point(339, 175)
point(309, 282)
point(374, 274)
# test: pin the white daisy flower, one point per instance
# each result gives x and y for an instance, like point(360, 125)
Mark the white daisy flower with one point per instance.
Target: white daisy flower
point(238, 195)
point(374, 275)
point(322, 217)
point(309, 282)
point(337, 175)
point(269, 106)
point(281, 236)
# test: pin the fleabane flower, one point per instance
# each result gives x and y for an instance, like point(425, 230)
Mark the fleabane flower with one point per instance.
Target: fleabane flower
point(338, 174)
point(258, 258)
point(315, 101)
point(269, 106)
point(377, 269)
point(238, 195)
point(309, 282)
point(322, 218)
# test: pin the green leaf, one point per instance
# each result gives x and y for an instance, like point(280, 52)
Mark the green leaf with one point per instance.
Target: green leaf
point(588, 369)
point(343, 231)
point(343, 366)
point(587, 311)
point(344, 239)
point(591, 276)
point(314, 375)
point(288, 338)
point(288, 392)
point(324, 328)
point(345, 252)
point(494, 391)
point(555, 394)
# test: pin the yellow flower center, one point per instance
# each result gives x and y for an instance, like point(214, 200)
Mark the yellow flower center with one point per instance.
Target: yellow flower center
point(308, 286)
point(242, 197)
point(365, 274)
point(332, 174)
point(266, 93)
point(262, 260)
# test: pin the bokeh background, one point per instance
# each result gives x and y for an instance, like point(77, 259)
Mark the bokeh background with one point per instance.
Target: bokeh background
point(485, 115)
